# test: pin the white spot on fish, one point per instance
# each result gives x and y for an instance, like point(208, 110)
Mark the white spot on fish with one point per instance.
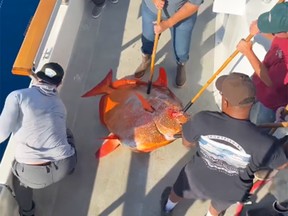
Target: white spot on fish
point(168, 137)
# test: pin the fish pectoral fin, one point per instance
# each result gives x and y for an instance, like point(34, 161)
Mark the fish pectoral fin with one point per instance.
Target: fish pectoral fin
point(111, 136)
point(162, 80)
point(145, 104)
point(109, 145)
point(104, 87)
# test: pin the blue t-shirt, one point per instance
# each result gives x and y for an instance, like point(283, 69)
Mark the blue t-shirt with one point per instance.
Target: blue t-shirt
point(229, 152)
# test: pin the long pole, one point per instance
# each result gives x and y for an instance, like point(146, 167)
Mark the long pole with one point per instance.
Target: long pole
point(228, 60)
point(152, 66)
point(279, 124)
point(274, 125)
point(249, 37)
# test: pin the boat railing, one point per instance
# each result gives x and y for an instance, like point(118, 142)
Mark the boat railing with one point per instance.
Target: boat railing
point(23, 65)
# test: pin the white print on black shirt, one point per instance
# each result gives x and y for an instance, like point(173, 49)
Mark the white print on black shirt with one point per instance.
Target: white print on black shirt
point(227, 158)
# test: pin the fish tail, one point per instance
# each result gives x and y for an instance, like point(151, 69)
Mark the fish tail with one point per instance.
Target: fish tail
point(104, 87)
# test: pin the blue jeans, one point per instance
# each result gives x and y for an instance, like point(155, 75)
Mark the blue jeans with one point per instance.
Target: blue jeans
point(181, 34)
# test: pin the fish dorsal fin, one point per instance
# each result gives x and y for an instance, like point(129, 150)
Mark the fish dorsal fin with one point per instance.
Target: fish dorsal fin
point(104, 87)
point(145, 104)
point(162, 78)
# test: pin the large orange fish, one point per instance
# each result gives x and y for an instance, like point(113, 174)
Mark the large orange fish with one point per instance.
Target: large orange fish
point(143, 122)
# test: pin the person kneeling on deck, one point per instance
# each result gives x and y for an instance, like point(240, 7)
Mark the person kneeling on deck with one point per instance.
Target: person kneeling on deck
point(230, 149)
point(271, 75)
point(44, 147)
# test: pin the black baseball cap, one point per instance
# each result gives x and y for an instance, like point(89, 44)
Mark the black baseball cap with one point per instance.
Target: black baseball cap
point(51, 73)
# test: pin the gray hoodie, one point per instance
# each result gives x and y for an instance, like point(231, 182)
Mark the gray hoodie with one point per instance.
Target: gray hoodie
point(37, 118)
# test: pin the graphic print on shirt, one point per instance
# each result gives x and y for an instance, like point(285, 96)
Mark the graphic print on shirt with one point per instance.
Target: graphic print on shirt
point(279, 53)
point(223, 154)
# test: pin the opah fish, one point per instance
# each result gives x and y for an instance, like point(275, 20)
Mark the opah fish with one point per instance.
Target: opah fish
point(135, 119)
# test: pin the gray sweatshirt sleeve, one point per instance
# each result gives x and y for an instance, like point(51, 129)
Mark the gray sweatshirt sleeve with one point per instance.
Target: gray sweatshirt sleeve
point(9, 116)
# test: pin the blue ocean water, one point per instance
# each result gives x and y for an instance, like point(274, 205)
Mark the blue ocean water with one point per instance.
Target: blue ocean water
point(15, 16)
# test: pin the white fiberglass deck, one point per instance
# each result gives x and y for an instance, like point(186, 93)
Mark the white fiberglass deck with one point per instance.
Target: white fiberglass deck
point(123, 183)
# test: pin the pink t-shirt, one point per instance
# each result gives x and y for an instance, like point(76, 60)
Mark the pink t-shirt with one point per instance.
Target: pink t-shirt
point(276, 61)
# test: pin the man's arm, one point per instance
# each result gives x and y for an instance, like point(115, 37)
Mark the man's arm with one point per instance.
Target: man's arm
point(187, 10)
point(9, 116)
point(268, 36)
point(190, 131)
point(255, 30)
point(188, 144)
point(245, 47)
point(284, 166)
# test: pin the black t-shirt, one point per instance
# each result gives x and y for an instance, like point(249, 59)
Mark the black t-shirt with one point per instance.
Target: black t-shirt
point(229, 151)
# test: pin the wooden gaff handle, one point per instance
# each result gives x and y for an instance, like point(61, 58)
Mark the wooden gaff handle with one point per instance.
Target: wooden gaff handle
point(152, 66)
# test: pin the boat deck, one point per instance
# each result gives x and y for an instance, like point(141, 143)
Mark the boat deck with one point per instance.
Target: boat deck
point(124, 183)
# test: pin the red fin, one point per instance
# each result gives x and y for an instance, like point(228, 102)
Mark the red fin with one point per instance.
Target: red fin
point(104, 87)
point(110, 137)
point(123, 82)
point(101, 109)
point(109, 145)
point(162, 78)
point(146, 105)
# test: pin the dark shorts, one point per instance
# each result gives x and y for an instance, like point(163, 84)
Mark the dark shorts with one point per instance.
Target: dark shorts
point(185, 188)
